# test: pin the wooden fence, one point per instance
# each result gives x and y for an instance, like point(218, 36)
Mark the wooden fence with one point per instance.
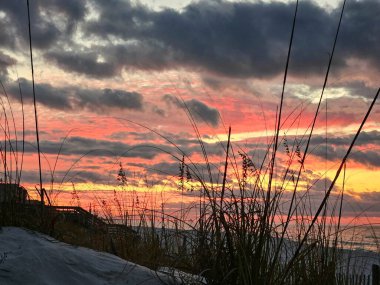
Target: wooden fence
point(360, 279)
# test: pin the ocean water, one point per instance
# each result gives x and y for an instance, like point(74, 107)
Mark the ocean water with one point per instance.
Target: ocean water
point(357, 235)
point(350, 236)
point(365, 237)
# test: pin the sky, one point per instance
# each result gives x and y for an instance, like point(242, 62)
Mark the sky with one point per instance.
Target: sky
point(116, 81)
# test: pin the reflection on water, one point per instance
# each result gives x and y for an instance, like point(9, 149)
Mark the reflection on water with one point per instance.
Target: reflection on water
point(362, 237)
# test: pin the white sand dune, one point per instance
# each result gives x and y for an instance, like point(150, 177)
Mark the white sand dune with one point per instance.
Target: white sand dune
point(28, 257)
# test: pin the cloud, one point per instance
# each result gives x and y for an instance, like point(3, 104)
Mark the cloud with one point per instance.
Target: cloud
point(368, 158)
point(46, 94)
point(198, 171)
point(97, 148)
point(358, 89)
point(157, 110)
point(76, 176)
point(109, 60)
point(139, 136)
point(203, 112)
point(363, 152)
point(82, 176)
point(52, 21)
point(365, 204)
point(6, 39)
point(237, 39)
point(360, 25)
point(76, 98)
point(372, 137)
point(233, 39)
point(108, 98)
point(83, 63)
point(73, 9)
point(199, 110)
point(369, 137)
point(5, 62)
point(347, 90)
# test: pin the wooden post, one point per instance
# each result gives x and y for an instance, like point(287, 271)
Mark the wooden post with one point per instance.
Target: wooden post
point(375, 274)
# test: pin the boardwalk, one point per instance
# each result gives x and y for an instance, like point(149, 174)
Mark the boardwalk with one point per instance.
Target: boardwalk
point(74, 214)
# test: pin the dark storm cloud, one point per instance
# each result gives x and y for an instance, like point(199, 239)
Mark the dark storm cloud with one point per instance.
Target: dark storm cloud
point(5, 62)
point(371, 137)
point(144, 136)
point(83, 176)
point(236, 39)
point(141, 55)
point(74, 10)
point(75, 98)
point(51, 21)
point(83, 63)
point(157, 110)
point(199, 110)
point(186, 142)
point(359, 37)
point(363, 152)
point(97, 148)
point(370, 158)
point(362, 204)
point(182, 143)
point(197, 171)
point(354, 205)
point(72, 176)
point(120, 18)
point(358, 88)
point(351, 88)
point(239, 39)
point(6, 38)
point(203, 112)
point(108, 98)
point(47, 95)
point(165, 168)
point(213, 82)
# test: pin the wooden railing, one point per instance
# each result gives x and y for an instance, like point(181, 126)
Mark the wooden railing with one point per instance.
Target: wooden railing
point(75, 214)
point(78, 214)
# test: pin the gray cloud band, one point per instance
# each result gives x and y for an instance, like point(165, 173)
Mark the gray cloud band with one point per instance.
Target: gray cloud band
point(232, 39)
